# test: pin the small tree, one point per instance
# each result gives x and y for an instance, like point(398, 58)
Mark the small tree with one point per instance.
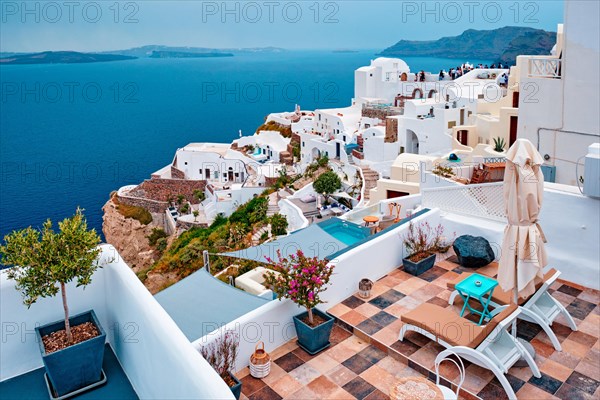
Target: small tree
point(44, 261)
point(328, 183)
point(196, 213)
point(180, 199)
point(199, 195)
point(300, 279)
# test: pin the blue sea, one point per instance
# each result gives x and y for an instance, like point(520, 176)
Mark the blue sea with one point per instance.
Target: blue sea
point(72, 133)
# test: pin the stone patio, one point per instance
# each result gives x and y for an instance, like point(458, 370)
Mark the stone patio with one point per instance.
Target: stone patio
point(366, 356)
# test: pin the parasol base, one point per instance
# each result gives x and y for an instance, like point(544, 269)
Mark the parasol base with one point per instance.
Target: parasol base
point(529, 348)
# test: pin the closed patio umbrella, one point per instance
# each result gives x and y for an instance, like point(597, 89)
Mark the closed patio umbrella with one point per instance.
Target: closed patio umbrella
point(523, 253)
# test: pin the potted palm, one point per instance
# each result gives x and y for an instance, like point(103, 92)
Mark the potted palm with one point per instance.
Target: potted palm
point(43, 262)
point(422, 241)
point(221, 355)
point(302, 279)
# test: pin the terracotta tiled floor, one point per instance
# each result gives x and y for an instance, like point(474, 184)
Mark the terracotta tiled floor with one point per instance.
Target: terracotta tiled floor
point(350, 369)
point(573, 373)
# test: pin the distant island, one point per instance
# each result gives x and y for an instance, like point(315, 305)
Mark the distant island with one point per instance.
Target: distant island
point(499, 45)
point(62, 57)
point(183, 54)
point(344, 51)
point(149, 50)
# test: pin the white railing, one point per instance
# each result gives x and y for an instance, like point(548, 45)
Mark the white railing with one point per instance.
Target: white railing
point(485, 200)
point(544, 67)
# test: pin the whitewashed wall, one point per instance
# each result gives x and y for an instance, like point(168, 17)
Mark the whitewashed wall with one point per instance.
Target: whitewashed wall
point(156, 356)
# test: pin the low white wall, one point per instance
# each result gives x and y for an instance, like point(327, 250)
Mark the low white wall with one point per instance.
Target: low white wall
point(295, 217)
point(156, 356)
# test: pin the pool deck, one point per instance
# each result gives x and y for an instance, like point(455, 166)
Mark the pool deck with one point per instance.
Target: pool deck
point(32, 385)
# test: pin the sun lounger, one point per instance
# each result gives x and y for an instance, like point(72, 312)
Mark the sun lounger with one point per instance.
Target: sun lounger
point(489, 346)
point(540, 308)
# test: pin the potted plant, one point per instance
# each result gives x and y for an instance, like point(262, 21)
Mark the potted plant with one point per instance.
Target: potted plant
point(421, 242)
point(43, 262)
point(302, 279)
point(221, 355)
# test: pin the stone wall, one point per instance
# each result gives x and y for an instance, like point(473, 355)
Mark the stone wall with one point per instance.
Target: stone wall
point(177, 173)
point(380, 113)
point(163, 189)
point(152, 206)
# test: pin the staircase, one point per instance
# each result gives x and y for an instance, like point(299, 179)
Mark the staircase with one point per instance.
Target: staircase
point(479, 176)
point(258, 234)
point(370, 180)
point(273, 207)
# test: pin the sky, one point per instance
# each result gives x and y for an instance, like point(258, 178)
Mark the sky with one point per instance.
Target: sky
point(108, 25)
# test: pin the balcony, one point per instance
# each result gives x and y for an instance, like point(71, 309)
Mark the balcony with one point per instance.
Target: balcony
point(545, 67)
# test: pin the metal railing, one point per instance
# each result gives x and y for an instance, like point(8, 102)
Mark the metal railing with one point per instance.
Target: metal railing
point(544, 67)
point(485, 200)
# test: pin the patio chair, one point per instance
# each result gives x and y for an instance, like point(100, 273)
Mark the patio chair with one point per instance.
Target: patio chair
point(540, 308)
point(449, 356)
point(490, 346)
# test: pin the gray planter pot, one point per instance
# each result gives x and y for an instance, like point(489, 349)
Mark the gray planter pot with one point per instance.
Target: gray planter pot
point(417, 268)
point(77, 366)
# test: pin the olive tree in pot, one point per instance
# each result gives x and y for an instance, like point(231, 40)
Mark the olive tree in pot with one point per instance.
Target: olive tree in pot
point(221, 355)
point(422, 242)
point(43, 262)
point(302, 279)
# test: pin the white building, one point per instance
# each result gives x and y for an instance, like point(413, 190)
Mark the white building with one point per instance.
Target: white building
point(558, 94)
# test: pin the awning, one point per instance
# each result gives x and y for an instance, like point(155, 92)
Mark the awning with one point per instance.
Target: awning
point(200, 303)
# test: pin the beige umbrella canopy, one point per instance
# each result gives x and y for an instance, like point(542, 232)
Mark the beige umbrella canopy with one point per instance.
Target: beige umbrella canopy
point(523, 254)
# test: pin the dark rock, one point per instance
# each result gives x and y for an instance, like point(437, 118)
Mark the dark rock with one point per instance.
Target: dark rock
point(472, 251)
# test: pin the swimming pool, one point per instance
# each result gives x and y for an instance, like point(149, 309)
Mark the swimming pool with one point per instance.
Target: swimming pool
point(257, 152)
point(344, 231)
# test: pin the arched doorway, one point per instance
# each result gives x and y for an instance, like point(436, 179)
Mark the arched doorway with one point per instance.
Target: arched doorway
point(431, 93)
point(316, 154)
point(404, 77)
point(412, 142)
point(417, 94)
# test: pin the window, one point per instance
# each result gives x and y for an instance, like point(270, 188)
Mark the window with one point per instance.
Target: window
point(185, 163)
point(451, 124)
point(319, 117)
point(216, 174)
point(367, 126)
point(303, 144)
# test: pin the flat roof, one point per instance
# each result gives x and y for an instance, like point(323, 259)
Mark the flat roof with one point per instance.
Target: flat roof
point(200, 303)
point(219, 148)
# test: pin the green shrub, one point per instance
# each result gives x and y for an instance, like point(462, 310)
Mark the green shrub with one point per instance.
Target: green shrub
point(138, 213)
point(499, 144)
point(157, 233)
point(279, 225)
point(327, 183)
point(161, 244)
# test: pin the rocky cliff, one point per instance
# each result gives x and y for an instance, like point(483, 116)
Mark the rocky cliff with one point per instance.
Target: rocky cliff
point(129, 237)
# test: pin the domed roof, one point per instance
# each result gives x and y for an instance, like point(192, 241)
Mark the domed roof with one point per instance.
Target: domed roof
point(386, 62)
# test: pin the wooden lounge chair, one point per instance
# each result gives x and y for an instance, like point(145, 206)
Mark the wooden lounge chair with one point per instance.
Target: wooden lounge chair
point(540, 308)
point(489, 346)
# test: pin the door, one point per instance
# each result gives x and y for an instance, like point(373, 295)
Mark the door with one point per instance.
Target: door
point(207, 174)
point(230, 176)
point(463, 137)
point(514, 123)
point(462, 116)
point(393, 194)
point(337, 149)
point(515, 100)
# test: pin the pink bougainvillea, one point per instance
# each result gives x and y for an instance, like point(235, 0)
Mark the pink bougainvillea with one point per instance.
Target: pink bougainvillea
point(300, 279)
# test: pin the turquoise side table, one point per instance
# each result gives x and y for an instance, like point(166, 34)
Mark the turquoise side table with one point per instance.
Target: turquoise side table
point(467, 288)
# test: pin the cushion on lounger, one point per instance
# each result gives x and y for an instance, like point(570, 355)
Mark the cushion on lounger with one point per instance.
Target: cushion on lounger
point(448, 326)
point(499, 296)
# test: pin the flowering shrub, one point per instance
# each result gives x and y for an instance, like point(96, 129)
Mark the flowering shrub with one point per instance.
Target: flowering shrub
point(300, 279)
point(222, 353)
point(422, 240)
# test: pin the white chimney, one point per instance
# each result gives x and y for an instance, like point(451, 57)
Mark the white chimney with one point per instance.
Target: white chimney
point(591, 175)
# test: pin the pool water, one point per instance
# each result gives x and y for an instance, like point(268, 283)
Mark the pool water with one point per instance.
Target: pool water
point(346, 232)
